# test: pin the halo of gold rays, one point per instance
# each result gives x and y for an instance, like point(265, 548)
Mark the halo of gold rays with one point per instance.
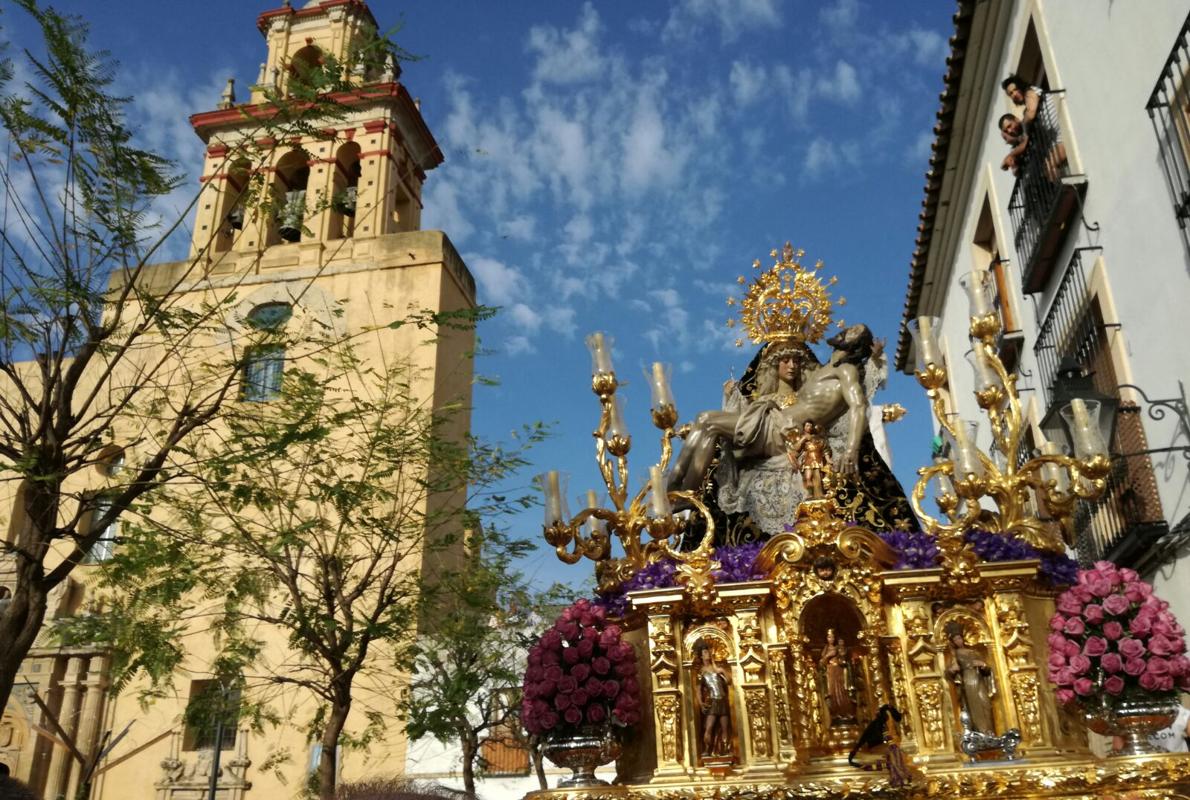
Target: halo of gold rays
point(787, 302)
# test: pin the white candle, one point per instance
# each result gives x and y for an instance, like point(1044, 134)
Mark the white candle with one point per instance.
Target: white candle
point(927, 342)
point(977, 283)
point(660, 386)
point(553, 498)
point(967, 460)
point(616, 426)
point(1051, 472)
point(659, 507)
point(600, 347)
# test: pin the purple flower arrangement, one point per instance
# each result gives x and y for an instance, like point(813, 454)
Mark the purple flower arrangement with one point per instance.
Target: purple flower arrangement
point(1057, 569)
point(991, 546)
point(914, 549)
point(658, 575)
point(917, 550)
point(738, 563)
point(1111, 633)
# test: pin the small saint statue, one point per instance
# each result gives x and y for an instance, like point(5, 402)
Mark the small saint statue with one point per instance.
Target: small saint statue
point(836, 669)
point(713, 683)
point(811, 455)
point(967, 668)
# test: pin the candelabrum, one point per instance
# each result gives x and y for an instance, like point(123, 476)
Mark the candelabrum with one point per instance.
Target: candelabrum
point(646, 524)
point(1010, 480)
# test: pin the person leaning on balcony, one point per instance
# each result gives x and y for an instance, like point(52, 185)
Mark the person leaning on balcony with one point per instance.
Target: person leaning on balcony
point(1035, 124)
point(1013, 134)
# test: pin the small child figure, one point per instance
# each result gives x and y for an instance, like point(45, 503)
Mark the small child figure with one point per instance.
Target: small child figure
point(811, 455)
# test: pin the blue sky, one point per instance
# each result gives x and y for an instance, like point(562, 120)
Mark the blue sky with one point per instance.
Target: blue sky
point(614, 166)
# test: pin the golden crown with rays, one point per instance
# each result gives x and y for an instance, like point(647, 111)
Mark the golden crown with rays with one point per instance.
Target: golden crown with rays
point(786, 303)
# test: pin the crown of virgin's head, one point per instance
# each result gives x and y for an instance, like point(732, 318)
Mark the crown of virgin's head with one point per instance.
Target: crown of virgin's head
point(787, 302)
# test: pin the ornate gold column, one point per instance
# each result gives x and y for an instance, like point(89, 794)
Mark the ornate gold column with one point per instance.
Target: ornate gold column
point(1018, 659)
point(778, 675)
point(898, 666)
point(929, 712)
point(664, 661)
point(743, 602)
point(61, 761)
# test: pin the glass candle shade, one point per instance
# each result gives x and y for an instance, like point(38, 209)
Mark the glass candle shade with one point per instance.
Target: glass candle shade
point(553, 490)
point(600, 346)
point(985, 376)
point(945, 485)
point(659, 507)
point(1054, 473)
point(616, 427)
point(924, 331)
point(659, 388)
point(1082, 419)
point(593, 525)
point(980, 291)
point(966, 453)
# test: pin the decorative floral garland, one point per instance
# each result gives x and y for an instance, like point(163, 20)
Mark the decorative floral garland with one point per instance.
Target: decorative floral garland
point(1111, 633)
point(581, 672)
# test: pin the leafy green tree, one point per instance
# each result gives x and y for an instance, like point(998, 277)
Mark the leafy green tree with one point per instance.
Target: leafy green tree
point(92, 338)
point(325, 516)
point(469, 658)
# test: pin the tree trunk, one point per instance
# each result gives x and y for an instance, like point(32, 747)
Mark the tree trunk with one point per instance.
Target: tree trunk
point(470, 743)
point(329, 759)
point(21, 621)
point(19, 626)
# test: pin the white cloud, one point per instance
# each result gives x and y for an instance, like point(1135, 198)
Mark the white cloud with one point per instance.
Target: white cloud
point(521, 228)
point(747, 82)
point(823, 155)
point(649, 159)
point(570, 56)
point(840, 17)
point(518, 345)
point(732, 17)
point(841, 86)
point(579, 229)
point(499, 284)
point(524, 317)
point(928, 48)
point(918, 153)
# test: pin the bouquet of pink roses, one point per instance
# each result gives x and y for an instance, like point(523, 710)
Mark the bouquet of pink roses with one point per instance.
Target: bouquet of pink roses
point(1111, 633)
point(581, 672)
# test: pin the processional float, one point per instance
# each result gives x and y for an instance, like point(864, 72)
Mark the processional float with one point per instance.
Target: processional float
point(825, 667)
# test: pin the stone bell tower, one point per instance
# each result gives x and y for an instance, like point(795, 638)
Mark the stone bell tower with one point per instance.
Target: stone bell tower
point(355, 178)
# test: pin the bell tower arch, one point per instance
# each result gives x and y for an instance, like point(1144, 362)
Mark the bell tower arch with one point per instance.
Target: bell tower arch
point(355, 177)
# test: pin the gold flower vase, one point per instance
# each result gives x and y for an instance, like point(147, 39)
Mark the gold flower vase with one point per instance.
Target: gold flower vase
point(582, 752)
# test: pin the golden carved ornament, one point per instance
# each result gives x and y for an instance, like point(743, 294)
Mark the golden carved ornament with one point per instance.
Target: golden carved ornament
point(756, 701)
point(668, 723)
point(788, 303)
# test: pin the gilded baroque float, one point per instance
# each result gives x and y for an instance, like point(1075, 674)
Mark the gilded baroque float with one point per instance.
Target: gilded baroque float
point(790, 684)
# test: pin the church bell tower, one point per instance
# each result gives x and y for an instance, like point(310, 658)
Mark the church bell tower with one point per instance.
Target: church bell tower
point(325, 187)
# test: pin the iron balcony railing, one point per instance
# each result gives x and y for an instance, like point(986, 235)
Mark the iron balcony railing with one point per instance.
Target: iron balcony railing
point(1044, 196)
point(1127, 520)
point(1169, 110)
point(1067, 329)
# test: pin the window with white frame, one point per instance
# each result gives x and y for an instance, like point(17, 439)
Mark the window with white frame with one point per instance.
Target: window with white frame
point(264, 364)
